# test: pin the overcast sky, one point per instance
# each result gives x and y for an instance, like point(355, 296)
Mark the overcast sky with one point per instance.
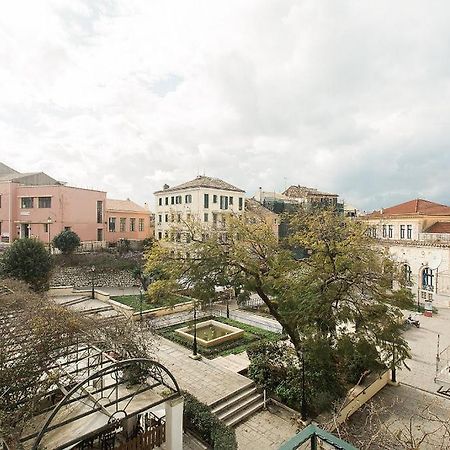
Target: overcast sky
point(126, 95)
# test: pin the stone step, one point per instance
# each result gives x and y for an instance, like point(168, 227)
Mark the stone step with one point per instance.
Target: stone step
point(222, 406)
point(245, 413)
point(232, 394)
point(238, 406)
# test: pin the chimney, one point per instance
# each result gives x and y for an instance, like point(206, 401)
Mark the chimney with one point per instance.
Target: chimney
point(260, 194)
point(166, 186)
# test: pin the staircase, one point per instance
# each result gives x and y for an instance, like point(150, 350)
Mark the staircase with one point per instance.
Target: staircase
point(236, 363)
point(239, 405)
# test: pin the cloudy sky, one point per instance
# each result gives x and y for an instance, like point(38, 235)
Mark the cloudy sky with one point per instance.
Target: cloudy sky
point(124, 96)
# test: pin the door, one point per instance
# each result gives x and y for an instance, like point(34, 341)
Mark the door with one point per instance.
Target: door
point(99, 234)
point(25, 230)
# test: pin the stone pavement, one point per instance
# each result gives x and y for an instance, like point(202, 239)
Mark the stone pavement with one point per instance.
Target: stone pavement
point(267, 429)
point(201, 378)
point(423, 344)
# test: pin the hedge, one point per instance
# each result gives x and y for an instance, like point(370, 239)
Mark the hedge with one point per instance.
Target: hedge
point(201, 421)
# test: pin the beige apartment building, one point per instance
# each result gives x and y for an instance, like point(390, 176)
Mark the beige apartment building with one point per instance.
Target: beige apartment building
point(205, 201)
point(417, 235)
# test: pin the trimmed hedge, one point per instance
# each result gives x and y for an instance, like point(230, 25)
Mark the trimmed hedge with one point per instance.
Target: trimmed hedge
point(200, 420)
point(251, 335)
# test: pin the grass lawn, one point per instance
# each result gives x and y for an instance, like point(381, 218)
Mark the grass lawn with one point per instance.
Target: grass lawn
point(134, 301)
point(251, 335)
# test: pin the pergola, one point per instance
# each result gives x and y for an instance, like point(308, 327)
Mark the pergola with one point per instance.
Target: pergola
point(93, 399)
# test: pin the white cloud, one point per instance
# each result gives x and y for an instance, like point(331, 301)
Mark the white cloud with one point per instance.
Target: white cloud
point(347, 96)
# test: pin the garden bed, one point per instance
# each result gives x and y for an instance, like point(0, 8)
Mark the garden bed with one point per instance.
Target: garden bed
point(134, 301)
point(251, 334)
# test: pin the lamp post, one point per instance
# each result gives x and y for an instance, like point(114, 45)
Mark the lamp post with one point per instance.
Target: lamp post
point(228, 306)
point(49, 222)
point(92, 279)
point(140, 303)
point(194, 348)
point(303, 408)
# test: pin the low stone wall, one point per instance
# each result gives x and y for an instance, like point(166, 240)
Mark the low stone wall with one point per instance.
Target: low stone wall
point(82, 276)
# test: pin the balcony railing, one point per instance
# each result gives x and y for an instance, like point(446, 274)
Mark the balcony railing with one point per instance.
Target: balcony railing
point(435, 237)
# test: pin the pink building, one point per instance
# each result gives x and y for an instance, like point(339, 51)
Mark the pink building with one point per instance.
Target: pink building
point(37, 205)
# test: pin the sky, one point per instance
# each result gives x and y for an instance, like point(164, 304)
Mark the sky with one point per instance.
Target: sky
point(351, 97)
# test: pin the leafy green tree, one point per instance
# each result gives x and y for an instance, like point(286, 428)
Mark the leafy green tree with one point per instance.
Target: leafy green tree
point(344, 287)
point(67, 241)
point(27, 260)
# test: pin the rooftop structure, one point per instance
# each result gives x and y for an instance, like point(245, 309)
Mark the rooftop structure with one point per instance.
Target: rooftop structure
point(201, 181)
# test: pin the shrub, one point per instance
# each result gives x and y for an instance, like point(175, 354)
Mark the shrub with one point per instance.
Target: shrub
point(67, 241)
point(199, 419)
point(29, 261)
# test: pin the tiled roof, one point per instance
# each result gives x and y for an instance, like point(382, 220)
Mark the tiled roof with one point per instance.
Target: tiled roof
point(253, 206)
point(439, 227)
point(203, 182)
point(417, 207)
point(123, 205)
point(304, 191)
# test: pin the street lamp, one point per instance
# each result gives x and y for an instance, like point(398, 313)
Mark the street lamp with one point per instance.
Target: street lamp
point(92, 279)
point(228, 306)
point(141, 293)
point(194, 349)
point(49, 222)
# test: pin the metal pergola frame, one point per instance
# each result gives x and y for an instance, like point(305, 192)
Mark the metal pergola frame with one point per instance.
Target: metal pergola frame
point(85, 373)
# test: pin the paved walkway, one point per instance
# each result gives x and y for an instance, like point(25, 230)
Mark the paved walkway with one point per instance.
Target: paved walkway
point(423, 344)
point(267, 429)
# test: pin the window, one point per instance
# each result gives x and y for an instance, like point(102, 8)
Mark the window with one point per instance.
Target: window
point(188, 198)
point(0, 201)
point(26, 202)
point(241, 201)
point(132, 224)
point(112, 224)
point(402, 231)
point(100, 214)
point(390, 231)
point(159, 218)
point(374, 232)
point(123, 224)
point(159, 235)
point(214, 198)
point(407, 274)
point(167, 200)
point(160, 201)
point(100, 233)
point(231, 200)
point(166, 217)
point(44, 202)
point(205, 217)
point(67, 228)
point(409, 232)
point(223, 202)
point(179, 217)
point(384, 231)
point(427, 278)
point(172, 217)
point(178, 199)
point(172, 200)
point(214, 218)
point(188, 217)
point(46, 227)
point(206, 200)
point(141, 224)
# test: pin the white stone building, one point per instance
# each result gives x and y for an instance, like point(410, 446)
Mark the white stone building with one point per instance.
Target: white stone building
point(417, 235)
point(204, 200)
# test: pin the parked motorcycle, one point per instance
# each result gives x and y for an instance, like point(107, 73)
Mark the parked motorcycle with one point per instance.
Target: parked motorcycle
point(412, 322)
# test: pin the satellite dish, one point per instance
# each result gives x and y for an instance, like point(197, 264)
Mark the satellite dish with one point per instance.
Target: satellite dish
point(435, 261)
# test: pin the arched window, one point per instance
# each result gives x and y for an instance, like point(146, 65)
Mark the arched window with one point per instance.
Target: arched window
point(407, 274)
point(427, 278)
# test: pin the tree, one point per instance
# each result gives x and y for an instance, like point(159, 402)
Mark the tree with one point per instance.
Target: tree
point(29, 261)
point(35, 335)
point(67, 241)
point(344, 288)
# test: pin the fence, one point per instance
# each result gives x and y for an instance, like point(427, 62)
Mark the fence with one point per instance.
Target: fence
point(92, 246)
point(147, 441)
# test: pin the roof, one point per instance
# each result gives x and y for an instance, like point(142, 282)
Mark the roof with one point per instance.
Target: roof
point(253, 206)
point(439, 227)
point(4, 169)
point(304, 191)
point(416, 207)
point(124, 205)
point(30, 178)
point(202, 181)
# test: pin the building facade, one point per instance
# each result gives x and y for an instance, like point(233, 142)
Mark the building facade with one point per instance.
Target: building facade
point(38, 206)
point(205, 201)
point(127, 220)
point(417, 235)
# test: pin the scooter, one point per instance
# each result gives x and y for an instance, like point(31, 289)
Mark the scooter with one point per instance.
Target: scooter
point(412, 321)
